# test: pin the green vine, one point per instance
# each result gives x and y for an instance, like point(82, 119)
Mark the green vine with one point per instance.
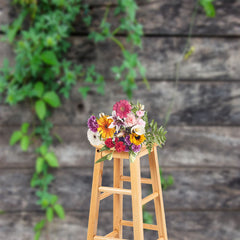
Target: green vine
point(41, 76)
point(130, 67)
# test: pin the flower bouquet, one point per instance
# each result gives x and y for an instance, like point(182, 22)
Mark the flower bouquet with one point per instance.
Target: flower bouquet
point(126, 130)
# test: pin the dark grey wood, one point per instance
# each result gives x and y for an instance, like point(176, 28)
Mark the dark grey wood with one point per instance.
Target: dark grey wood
point(201, 103)
point(202, 151)
point(162, 17)
point(174, 17)
point(213, 59)
point(186, 146)
point(188, 225)
point(202, 189)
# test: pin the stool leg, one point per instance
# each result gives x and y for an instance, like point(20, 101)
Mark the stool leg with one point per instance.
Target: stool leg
point(117, 198)
point(95, 200)
point(157, 187)
point(136, 188)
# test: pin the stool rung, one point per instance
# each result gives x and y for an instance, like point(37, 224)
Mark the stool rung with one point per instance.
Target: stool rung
point(112, 234)
point(145, 225)
point(149, 198)
point(115, 190)
point(105, 195)
point(143, 180)
point(107, 238)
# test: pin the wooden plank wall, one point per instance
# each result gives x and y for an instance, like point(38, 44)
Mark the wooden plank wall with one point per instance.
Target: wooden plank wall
point(203, 148)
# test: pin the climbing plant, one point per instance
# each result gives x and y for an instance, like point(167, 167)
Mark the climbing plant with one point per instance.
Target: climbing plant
point(42, 76)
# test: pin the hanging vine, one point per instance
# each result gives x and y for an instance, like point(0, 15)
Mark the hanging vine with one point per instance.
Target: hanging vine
point(42, 76)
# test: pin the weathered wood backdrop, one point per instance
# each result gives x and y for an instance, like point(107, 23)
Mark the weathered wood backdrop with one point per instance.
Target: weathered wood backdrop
point(203, 148)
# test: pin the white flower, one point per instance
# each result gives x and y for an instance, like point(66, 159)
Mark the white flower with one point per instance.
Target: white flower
point(138, 129)
point(94, 138)
point(101, 114)
point(141, 107)
point(117, 121)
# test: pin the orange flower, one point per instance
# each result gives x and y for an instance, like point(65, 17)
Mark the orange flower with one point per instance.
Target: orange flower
point(104, 130)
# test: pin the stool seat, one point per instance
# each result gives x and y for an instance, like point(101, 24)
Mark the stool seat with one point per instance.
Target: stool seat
point(100, 192)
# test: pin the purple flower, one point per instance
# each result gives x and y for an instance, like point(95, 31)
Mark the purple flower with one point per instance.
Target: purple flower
point(127, 140)
point(92, 124)
point(126, 148)
point(136, 148)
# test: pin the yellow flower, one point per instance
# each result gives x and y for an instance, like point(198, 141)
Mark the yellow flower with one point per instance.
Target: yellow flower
point(103, 127)
point(137, 139)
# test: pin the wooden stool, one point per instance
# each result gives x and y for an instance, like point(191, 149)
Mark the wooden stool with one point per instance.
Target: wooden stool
point(100, 192)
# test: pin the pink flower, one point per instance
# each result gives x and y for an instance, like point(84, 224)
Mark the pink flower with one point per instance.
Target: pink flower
point(140, 113)
point(141, 122)
point(130, 120)
point(122, 108)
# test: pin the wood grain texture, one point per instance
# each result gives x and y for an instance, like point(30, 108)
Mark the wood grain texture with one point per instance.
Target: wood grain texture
point(201, 103)
point(161, 17)
point(213, 59)
point(190, 225)
point(185, 146)
point(193, 189)
point(202, 151)
point(174, 17)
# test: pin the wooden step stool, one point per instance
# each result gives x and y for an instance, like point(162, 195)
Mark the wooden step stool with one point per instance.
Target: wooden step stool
point(100, 192)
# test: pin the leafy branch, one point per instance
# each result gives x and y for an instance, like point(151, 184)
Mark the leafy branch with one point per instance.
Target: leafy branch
point(154, 134)
point(131, 66)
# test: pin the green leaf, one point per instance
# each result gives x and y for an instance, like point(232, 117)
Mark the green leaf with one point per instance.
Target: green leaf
point(51, 160)
point(208, 7)
point(59, 210)
point(38, 226)
point(52, 99)
point(170, 180)
point(104, 148)
point(38, 89)
point(49, 57)
point(25, 143)
point(37, 235)
point(39, 164)
point(147, 217)
point(16, 26)
point(132, 156)
point(34, 181)
point(25, 127)
point(40, 108)
point(54, 199)
point(44, 202)
point(43, 149)
point(49, 214)
point(84, 91)
point(106, 157)
point(16, 136)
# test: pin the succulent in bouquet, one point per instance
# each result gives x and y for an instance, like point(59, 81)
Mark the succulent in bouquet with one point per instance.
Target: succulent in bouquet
point(126, 130)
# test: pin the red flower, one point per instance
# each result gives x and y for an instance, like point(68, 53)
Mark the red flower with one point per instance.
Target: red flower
point(109, 143)
point(120, 147)
point(122, 108)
